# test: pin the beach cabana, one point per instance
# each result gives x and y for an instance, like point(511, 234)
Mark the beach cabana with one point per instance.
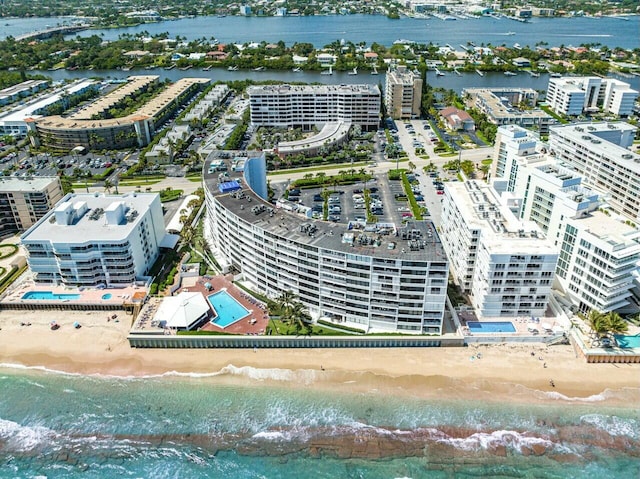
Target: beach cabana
point(184, 311)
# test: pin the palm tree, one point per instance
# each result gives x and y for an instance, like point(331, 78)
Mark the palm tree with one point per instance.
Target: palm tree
point(107, 186)
point(298, 317)
point(616, 323)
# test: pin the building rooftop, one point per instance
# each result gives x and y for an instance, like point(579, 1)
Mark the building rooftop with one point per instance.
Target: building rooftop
point(311, 89)
point(482, 210)
point(29, 109)
point(104, 103)
point(85, 218)
point(611, 230)
point(416, 241)
point(598, 138)
point(26, 184)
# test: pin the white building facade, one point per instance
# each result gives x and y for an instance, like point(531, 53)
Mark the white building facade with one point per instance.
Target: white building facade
point(600, 153)
point(91, 240)
point(574, 96)
point(306, 106)
point(380, 278)
point(506, 264)
point(599, 252)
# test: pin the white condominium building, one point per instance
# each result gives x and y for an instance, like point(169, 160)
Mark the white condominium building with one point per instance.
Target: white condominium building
point(577, 95)
point(506, 264)
point(599, 153)
point(599, 253)
point(403, 93)
point(512, 141)
point(93, 239)
point(306, 106)
point(376, 277)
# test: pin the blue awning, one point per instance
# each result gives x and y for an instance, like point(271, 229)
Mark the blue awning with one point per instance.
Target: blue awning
point(229, 186)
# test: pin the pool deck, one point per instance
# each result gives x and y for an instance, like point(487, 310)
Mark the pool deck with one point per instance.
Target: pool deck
point(521, 324)
point(255, 323)
point(92, 296)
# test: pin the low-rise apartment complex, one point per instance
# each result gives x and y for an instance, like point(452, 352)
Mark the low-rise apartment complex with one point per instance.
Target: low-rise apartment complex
point(24, 200)
point(85, 128)
point(504, 106)
point(95, 239)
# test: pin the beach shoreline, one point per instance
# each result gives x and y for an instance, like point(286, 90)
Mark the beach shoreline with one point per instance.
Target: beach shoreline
point(507, 372)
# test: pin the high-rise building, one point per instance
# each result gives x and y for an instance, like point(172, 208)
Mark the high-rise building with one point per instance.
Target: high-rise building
point(599, 250)
point(403, 93)
point(23, 201)
point(600, 153)
point(377, 278)
point(505, 263)
point(93, 239)
point(308, 106)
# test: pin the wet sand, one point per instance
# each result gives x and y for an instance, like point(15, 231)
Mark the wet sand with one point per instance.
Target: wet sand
point(510, 371)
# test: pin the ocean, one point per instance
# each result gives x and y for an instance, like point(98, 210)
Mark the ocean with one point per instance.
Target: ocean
point(261, 423)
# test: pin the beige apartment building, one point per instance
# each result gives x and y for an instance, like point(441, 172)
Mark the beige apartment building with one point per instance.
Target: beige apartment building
point(403, 93)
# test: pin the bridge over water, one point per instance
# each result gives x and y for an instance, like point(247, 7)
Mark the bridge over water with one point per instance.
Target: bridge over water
point(49, 32)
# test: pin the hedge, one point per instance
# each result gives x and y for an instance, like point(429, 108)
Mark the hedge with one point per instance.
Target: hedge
point(340, 326)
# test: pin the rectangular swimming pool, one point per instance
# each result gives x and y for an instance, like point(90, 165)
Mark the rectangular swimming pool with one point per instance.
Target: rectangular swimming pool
point(228, 310)
point(491, 327)
point(627, 342)
point(50, 296)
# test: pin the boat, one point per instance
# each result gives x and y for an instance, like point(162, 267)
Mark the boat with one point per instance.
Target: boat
point(510, 74)
point(259, 69)
point(555, 75)
point(374, 71)
point(534, 74)
point(233, 68)
point(479, 73)
point(517, 46)
point(354, 72)
point(297, 69)
point(206, 69)
point(327, 72)
point(439, 73)
point(510, 33)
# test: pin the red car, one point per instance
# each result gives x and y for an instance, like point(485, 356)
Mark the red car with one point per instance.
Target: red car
point(440, 192)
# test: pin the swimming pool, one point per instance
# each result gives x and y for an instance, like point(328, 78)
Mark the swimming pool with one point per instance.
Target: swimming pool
point(228, 310)
point(491, 327)
point(106, 296)
point(50, 296)
point(627, 342)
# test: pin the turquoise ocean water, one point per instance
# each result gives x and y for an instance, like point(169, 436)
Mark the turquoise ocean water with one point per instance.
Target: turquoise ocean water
point(251, 423)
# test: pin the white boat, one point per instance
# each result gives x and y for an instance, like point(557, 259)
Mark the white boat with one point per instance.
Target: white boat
point(354, 72)
point(510, 33)
point(479, 73)
point(555, 75)
point(233, 68)
point(374, 71)
point(297, 69)
point(327, 72)
point(259, 69)
point(439, 73)
point(510, 74)
point(534, 74)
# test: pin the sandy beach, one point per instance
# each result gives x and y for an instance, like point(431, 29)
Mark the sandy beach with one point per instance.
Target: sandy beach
point(515, 372)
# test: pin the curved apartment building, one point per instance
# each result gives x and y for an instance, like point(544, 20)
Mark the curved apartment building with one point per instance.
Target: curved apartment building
point(137, 129)
point(376, 277)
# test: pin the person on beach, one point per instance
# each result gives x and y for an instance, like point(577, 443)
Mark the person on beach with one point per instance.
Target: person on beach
point(552, 384)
